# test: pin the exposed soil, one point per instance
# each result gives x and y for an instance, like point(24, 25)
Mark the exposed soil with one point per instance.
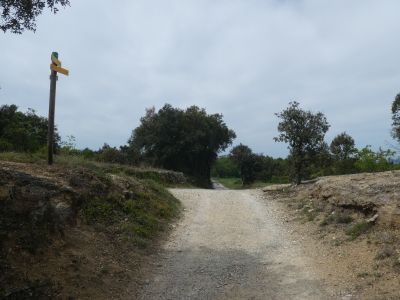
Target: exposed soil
point(334, 238)
point(72, 233)
point(232, 245)
point(349, 226)
point(284, 243)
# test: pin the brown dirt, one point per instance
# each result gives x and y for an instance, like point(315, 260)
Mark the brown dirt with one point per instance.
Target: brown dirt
point(367, 266)
point(49, 251)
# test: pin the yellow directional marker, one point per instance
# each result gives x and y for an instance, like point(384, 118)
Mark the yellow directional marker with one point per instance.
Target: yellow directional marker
point(53, 67)
point(55, 61)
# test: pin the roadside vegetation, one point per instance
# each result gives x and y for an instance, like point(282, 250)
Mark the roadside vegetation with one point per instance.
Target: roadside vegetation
point(310, 156)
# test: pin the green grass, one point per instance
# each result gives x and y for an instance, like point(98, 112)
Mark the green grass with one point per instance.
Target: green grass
point(138, 218)
point(138, 209)
point(138, 214)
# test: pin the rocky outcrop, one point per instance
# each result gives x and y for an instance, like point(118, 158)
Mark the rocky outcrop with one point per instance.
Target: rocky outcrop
point(367, 193)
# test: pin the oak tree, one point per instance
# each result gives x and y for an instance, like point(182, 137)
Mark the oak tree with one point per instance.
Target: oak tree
point(304, 131)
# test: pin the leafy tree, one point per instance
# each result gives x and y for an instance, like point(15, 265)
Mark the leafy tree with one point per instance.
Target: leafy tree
point(343, 150)
point(18, 15)
point(304, 131)
point(396, 118)
point(23, 132)
point(343, 147)
point(182, 140)
point(246, 161)
point(224, 167)
point(370, 161)
point(108, 154)
point(321, 161)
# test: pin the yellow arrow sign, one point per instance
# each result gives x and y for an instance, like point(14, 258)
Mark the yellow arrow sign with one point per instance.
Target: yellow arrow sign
point(55, 61)
point(59, 69)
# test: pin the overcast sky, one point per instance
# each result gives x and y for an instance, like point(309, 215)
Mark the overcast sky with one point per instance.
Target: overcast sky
point(245, 59)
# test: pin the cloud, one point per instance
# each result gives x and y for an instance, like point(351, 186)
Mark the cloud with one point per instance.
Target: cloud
point(245, 59)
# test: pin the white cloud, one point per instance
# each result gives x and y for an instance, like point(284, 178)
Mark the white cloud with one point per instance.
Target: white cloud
point(245, 59)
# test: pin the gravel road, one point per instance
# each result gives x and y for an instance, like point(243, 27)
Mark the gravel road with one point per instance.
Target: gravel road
point(231, 245)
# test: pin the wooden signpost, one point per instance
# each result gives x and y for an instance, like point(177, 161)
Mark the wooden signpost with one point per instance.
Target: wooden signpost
point(55, 68)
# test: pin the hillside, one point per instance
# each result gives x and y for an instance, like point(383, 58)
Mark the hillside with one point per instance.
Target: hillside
point(74, 232)
point(350, 225)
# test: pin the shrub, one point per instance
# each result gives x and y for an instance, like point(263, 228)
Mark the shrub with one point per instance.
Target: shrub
point(358, 229)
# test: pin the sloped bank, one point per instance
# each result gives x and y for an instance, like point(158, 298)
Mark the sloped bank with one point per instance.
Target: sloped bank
point(370, 195)
point(77, 233)
point(350, 225)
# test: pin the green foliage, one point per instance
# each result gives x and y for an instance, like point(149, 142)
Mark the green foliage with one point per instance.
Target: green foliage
point(247, 162)
point(99, 210)
point(370, 161)
point(181, 140)
point(139, 217)
point(358, 229)
point(225, 167)
point(18, 15)
point(343, 151)
point(342, 147)
point(22, 132)
point(268, 169)
point(320, 161)
point(235, 183)
point(304, 131)
point(396, 118)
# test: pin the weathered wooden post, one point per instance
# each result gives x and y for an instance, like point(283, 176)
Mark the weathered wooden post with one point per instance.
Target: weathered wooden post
point(55, 68)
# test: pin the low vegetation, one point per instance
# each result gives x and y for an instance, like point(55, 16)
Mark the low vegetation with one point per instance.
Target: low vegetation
point(120, 209)
point(357, 229)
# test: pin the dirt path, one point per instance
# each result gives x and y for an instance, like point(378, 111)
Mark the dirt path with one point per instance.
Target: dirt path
point(230, 245)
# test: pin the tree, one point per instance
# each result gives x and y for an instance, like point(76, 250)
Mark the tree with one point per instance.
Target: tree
point(23, 132)
point(396, 118)
point(343, 146)
point(343, 150)
point(304, 131)
point(18, 15)
point(224, 167)
point(321, 161)
point(182, 140)
point(246, 161)
point(370, 161)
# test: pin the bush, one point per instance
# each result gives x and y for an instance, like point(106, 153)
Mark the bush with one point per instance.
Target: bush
point(358, 229)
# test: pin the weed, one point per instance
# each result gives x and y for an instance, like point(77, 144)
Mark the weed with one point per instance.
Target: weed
point(385, 252)
point(327, 220)
point(357, 229)
point(343, 218)
point(98, 210)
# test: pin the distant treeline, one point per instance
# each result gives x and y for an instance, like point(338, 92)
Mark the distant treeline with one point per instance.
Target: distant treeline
point(190, 140)
point(258, 167)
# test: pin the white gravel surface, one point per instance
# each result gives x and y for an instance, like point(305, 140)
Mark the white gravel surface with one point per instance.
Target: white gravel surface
point(231, 245)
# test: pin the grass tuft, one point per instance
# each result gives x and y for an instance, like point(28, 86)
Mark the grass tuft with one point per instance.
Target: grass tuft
point(355, 230)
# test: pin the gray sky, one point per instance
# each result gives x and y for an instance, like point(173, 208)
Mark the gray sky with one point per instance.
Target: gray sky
point(245, 59)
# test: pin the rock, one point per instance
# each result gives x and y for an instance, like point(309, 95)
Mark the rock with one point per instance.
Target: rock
point(372, 219)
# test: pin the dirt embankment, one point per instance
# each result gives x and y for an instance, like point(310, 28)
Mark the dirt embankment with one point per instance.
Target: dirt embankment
point(354, 225)
point(76, 233)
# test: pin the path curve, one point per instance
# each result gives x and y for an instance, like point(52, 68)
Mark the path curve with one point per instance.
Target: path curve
point(231, 245)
